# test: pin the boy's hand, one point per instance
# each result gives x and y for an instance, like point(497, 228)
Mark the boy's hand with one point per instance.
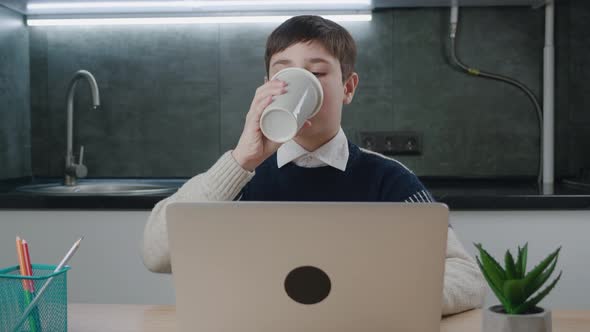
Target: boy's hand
point(253, 147)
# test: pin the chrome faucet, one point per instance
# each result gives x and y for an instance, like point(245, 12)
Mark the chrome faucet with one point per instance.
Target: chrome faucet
point(74, 171)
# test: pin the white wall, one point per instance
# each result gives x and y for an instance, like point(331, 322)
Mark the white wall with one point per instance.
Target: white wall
point(108, 268)
point(544, 231)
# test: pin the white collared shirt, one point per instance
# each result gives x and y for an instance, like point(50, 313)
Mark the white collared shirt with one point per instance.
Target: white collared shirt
point(334, 153)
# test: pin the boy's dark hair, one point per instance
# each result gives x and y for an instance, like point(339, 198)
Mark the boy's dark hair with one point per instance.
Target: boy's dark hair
point(307, 28)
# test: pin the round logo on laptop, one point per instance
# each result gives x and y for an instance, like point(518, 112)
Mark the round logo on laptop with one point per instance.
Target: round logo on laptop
point(307, 285)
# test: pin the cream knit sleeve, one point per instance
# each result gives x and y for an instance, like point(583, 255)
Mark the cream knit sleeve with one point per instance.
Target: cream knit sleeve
point(464, 285)
point(222, 182)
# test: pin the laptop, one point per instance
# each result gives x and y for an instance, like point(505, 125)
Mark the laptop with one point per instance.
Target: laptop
point(307, 267)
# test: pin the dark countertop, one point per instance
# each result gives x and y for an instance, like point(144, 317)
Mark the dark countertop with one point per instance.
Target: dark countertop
point(458, 194)
point(513, 194)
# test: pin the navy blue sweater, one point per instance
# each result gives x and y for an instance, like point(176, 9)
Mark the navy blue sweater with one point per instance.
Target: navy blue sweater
point(368, 177)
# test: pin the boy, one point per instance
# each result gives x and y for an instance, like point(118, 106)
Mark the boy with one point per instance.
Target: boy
point(319, 164)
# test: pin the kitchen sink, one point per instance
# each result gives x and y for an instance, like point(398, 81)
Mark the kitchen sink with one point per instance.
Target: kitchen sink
point(102, 188)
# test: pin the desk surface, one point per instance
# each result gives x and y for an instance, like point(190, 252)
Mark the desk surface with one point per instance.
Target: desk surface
point(148, 318)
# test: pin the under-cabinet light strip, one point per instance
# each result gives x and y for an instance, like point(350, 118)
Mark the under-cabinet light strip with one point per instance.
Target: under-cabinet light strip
point(229, 4)
point(184, 20)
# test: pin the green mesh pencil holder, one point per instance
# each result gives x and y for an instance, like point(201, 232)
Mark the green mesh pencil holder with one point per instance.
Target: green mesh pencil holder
point(50, 310)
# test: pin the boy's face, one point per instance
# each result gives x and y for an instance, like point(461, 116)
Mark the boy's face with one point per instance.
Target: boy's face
point(316, 59)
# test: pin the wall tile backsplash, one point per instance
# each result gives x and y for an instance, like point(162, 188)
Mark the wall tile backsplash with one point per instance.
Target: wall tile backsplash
point(174, 98)
point(15, 132)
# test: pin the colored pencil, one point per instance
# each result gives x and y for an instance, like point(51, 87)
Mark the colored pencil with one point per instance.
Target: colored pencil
point(28, 265)
point(25, 282)
point(21, 261)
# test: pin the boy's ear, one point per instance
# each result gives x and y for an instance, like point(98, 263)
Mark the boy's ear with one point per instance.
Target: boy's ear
point(350, 87)
point(265, 78)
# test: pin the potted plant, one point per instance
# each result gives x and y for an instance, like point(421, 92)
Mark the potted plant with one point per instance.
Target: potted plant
point(514, 288)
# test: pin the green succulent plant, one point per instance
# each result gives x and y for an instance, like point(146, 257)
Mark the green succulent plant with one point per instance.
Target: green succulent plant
point(512, 285)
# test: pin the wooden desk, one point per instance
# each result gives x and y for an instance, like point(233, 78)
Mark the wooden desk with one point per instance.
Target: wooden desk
point(563, 321)
point(146, 318)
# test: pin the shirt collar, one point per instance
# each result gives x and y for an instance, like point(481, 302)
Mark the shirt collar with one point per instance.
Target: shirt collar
point(334, 153)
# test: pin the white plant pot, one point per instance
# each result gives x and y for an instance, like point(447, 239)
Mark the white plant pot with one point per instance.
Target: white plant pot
point(495, 320)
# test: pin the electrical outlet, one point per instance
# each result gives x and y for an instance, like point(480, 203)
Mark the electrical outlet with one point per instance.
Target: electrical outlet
point(392, 142)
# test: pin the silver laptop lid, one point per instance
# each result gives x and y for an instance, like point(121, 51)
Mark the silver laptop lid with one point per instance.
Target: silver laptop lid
point(269, 267)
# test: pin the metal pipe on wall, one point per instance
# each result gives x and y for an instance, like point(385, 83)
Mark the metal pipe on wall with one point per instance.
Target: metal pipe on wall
point(549, 96)
point(545, 116)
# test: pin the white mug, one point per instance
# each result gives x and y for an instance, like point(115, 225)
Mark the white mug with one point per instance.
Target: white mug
point(284, 117)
